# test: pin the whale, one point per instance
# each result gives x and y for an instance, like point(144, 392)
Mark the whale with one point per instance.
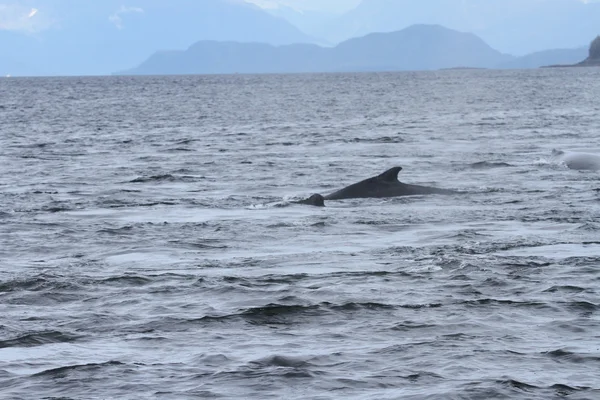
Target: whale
point(380, 186)
point(314, 200)
point(577, 161)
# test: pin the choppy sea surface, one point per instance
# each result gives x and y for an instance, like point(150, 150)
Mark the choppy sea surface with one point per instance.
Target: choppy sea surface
point(150, 246)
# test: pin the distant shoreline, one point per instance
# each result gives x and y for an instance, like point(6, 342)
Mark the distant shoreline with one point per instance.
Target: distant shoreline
point(585, 63)
point(460, 68)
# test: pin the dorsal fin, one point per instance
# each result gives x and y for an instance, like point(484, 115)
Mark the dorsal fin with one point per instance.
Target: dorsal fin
point(390, 175)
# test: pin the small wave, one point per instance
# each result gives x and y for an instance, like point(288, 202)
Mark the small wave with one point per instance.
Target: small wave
point(186, 141)
point(279, 314)
point(117, 231)
point(362, 306)
point(510, 388)
point(489, 165)
point(383, 139)
point(410, 325)
point(565, 390)
point(374, 222)
point(588, 227)
point(62, 372)
point(565, 289)
point(35, 284)
point(281, 144)
point(39, 339)
point(267, 280)
point(280, 225)
point(126, 204)
point(422, 305)
point(281, 361)
point(198, 245)
point(465, 235)
point(166, 178)
point(526, 387)
point(582, 306)
point(56, 208)
point(285, 314)
point(40, 145)
point(273, 366)
point(128, 280)
point(215, 360)
point(422, 375)
point(320, 224)
point(44, 192)
point(511, 303)
point(565, 355)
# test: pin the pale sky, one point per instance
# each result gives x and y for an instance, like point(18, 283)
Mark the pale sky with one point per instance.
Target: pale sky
point(327, 5)
point(338, 6)
point(15, 17)
point(18, 17)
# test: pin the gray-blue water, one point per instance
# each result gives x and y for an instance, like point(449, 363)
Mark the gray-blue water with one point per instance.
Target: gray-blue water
point(150, 249)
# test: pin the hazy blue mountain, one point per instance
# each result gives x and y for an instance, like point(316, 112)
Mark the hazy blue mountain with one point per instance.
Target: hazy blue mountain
point(419, 47)
point(98, 37)
point(210, 57)
point(547, 57)
point(511, 26)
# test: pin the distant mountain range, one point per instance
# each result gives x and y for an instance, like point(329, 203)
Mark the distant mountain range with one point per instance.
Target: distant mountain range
point(92, 37)
point(515, 27)
point(419, 47)
point(81, 37)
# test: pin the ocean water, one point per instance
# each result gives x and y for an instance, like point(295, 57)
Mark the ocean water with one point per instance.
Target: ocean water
point(150, 246)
